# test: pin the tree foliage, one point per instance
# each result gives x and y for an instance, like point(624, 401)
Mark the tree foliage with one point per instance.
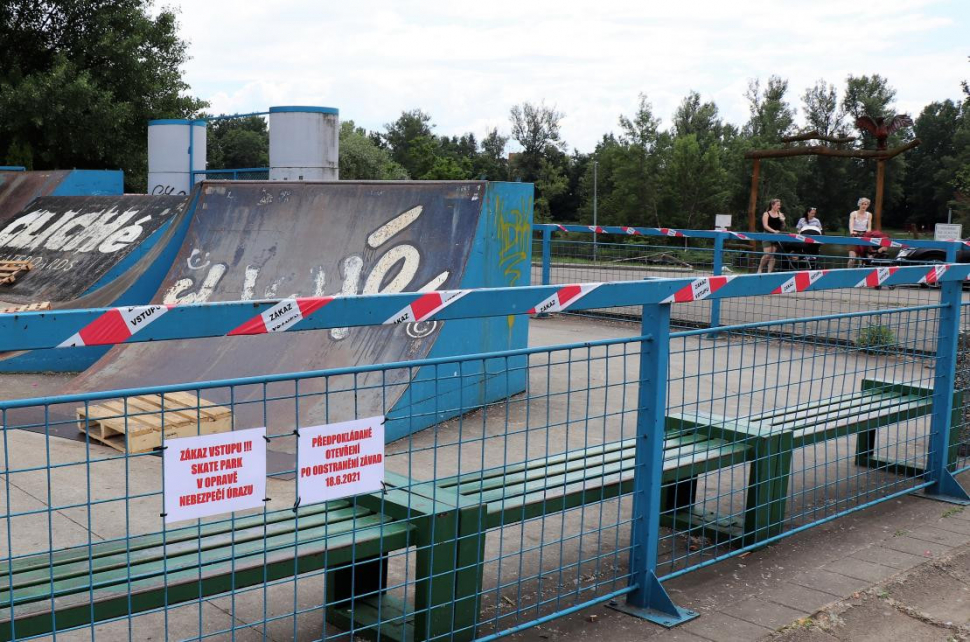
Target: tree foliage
point(80, 81)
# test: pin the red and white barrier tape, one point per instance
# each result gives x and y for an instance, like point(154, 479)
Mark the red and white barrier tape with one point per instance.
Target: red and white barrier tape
point(425, 306)
point(876, 277)
point(115, 326)
point(933, 276)
point(799, 282)
point(564, 297)
point(698, 289)
point(282, 316)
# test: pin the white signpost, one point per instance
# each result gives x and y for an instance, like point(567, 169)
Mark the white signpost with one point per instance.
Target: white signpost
point(948, 232)
point(722, 221)
point(214, 474)
point(341, 460)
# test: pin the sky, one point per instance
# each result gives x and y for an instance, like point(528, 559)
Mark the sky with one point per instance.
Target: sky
point(466, 64)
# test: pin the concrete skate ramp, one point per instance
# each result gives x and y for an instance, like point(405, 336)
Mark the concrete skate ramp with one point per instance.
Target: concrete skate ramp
point(73, 242)
point(88, 252)
point(18, 189)
point(252, 240)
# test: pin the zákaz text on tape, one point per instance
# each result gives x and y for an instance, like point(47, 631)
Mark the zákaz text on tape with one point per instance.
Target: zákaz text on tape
point(213, 474)
point(340, 460)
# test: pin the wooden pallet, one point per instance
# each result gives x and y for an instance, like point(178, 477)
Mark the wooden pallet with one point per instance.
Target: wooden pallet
point(30, 307)
point(143, 423)
point(10, 271)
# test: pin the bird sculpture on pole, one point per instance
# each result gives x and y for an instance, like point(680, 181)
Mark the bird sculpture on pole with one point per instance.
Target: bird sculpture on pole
point(881, 129)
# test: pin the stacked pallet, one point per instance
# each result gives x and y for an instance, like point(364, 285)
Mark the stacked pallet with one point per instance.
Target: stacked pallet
point(136, 424)
point(30, 307)
point(10, 271)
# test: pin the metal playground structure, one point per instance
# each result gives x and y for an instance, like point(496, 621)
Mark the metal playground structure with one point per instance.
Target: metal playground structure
point(627, 459)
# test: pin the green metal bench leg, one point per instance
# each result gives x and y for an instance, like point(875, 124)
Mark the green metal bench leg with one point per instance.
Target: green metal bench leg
point(434, 590)
point(355, 601)
point(468, 578)
point(767, 488)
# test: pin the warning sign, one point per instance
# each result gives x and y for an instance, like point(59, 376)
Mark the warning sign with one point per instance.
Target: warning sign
point(213, 474)
point(340, 460)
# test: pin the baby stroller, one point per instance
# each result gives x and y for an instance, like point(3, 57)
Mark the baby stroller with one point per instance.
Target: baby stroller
point(807, 253)
point(799, 256)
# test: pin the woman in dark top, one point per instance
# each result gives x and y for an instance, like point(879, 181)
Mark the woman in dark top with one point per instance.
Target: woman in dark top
point(773, 222)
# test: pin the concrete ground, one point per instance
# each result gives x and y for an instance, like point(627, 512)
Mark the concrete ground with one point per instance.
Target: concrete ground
point(740, 598)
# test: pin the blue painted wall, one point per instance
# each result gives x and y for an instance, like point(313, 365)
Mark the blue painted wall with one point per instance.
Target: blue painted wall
point(91, 182)
point(500, 257)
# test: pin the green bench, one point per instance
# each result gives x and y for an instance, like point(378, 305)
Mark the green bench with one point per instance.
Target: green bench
point(775, 435)
point(466, 506)
point(469, 505)
point(77, 586)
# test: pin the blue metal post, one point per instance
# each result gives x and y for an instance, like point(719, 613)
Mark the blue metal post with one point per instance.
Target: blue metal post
point(716, 270)
point(650, 600)
point(945, 486)
point(546, 259)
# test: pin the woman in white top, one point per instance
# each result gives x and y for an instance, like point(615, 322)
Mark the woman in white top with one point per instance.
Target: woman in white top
point(860, 221)
point(810, 221)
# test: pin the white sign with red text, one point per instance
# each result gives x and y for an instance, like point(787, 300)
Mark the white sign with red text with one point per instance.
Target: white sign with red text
point(214, 474)
point(341, 460)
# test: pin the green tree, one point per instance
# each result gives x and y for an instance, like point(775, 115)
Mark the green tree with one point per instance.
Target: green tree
point(874, 96)
point(536, 129)
point(772, 117)
point(80, 81)
point(411, 142)
point(928, 185)
point(822, 183)
point(694, 184)
point(362, 159)
point(634, 181)
point(491, 163)
point(237, 142)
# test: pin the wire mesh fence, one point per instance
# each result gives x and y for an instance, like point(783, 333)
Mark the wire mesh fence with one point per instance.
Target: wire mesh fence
point(717, 441)
point(577, 258)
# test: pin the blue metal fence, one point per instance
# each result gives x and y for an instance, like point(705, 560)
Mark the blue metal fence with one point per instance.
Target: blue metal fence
point(627, 460)
point(564, 254)
point(241, 174)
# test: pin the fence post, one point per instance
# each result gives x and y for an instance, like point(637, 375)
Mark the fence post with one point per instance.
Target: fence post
point(546, 259)
point(945, 487)
point(716, 269)
point(650, 600)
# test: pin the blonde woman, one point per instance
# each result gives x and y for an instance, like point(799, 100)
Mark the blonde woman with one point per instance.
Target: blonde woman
point(860, 221)
point(773, 222)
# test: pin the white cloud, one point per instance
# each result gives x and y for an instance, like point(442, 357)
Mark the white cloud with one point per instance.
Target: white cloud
point(467, 63)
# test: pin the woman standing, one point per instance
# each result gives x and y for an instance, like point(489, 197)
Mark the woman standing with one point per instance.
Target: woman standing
point(860, 221)
point(773, 222)
point(809, 221)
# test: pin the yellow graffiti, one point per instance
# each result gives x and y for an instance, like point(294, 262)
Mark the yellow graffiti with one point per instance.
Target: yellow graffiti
point(514, 228)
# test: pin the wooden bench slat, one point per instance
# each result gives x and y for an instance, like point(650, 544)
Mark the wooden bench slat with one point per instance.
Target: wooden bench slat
point(162, 569)
point(598, 473)
point(537, 501)
point(150, 540)
point(337, 519)
point(786, 410)
point(841, 409)
point(190, 584)
point(861, 414)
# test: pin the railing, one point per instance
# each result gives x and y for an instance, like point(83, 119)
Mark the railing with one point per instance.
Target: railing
point(12, 168)
point(241, 174)
point(630, 459)
point(572, 253)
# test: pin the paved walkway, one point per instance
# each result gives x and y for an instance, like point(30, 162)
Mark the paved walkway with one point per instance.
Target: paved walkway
point(897, 571)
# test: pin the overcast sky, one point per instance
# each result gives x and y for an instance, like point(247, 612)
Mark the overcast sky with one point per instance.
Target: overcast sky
point(466, 64)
